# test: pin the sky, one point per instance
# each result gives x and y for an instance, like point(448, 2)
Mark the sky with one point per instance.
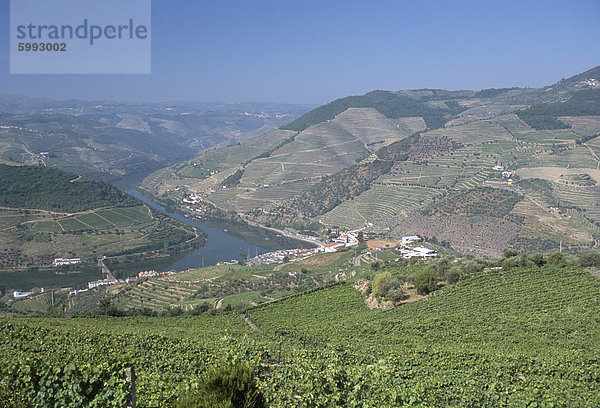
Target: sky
point(311, 52)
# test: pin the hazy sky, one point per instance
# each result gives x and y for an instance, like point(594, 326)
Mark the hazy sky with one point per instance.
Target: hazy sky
point(315, 51)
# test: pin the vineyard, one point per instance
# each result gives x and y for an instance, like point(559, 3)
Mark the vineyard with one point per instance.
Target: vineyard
point(512, 337)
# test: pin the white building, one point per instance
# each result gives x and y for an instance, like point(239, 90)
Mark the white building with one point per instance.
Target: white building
point(418, 252)
point(66, 261)
point(21, 295)
point(104, 282)
point(410, 239)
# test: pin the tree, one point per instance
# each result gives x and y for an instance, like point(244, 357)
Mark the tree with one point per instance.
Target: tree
point(378, 281)
point(392, 289)
point(509, 252)
point(589, 258)
point(556, 259)
point(538, 259)
point(425, 281)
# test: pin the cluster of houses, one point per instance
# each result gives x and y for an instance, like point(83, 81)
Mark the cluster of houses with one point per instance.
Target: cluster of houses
point(408, 250)
point(279, 256)
point(343, 240)
point(593, 82)
point(191, 199)
point(505, 173)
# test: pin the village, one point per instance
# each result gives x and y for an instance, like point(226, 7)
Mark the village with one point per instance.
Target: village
point(408, 247)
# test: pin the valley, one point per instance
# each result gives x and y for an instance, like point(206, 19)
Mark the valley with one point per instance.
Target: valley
point(360, 163)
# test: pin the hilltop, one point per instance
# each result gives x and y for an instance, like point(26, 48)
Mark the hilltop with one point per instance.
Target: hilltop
point(47, 213)
point(385, 161)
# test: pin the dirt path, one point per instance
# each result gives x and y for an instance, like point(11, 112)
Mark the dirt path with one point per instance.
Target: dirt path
point(252, 325)
point(593, 153)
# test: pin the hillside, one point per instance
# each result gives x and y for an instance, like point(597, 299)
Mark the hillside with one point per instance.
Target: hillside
point(106, 140)
point(384, 160)
point(47, 213)
point(392, 105)
point(522, 343)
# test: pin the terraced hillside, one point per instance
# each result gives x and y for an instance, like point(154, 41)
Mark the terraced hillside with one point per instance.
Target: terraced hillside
point(46, 213)
point(280, 164)
point(106, 141)
point(505, 337)
point(463, 142)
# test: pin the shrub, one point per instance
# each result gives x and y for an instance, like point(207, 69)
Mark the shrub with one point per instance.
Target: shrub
point(378, 281)
point(510, 263)
point(556, 259)
point(471, 266)
point(425, 281)
point(509, 252)
point(538, 259)
point(392, 289)
point(589, 258)
point(453, 274)
point(232, 386)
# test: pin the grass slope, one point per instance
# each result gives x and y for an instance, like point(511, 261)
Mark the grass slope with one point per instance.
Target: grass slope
point(392, 105)
point(521, 337)
point(46, 213)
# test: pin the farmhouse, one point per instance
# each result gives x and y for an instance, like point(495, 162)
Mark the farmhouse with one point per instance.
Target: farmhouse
point(21, 295)
point(104, 282)
point(192, 199)
point(418, 252)
point(66, 261)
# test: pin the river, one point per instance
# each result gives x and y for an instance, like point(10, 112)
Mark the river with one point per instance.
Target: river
point(225, 241)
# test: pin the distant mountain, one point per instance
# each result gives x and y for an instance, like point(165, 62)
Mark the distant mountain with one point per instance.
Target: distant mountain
point(480, 171)
point(392, 105)
point(107, 140)
point(47, 213)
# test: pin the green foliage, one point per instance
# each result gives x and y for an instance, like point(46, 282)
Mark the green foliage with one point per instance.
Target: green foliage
point(331, 191)
point(481, 201)
point(234, 179)
point(492, 92)
point(582, 103)
point(509, 252)
point(390, 104)
point(425, 281)
point(232, 386)
point(378, 281)
point(392, 289)
point(496, 338)
point(51, 189)
point(398, 151)
point(47, 384)
point(589, 258)
point(556, 259)
point(538, 259)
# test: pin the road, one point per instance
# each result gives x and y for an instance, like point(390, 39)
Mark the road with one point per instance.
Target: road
point(105, 270)
point(299, 237)
point(357, 260)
